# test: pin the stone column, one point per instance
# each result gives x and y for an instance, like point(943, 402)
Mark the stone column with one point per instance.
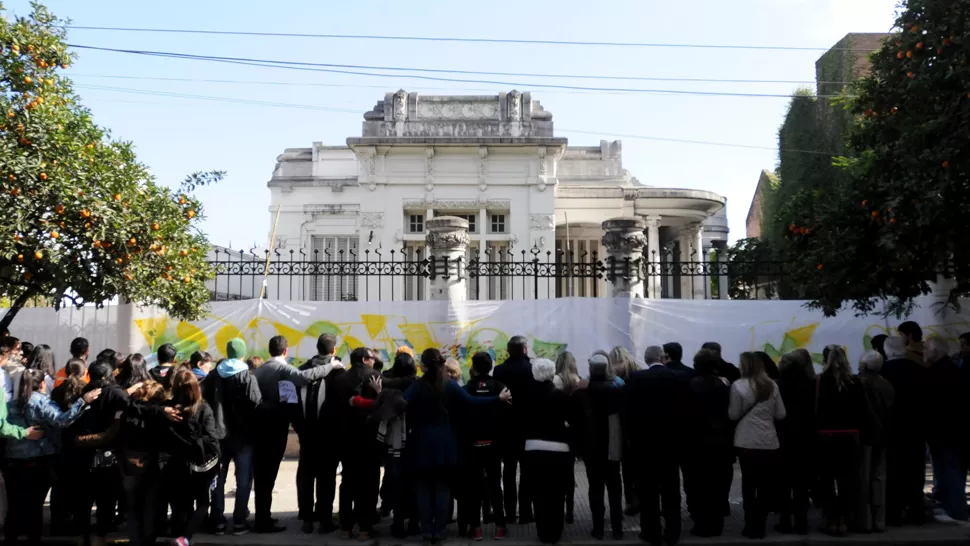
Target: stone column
point(702, 268)
point(653, 257)
point(624, 241)
point(447, 241)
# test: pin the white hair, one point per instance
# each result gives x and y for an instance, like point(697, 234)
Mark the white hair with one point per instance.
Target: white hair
point(653, 355)
point(543, 370)
point(870, 362)
point(935, 348)
point(894, 347)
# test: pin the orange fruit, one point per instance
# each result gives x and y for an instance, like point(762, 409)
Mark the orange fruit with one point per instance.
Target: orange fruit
point(900, 55)
point(55, 235)
point(128, 276)
point(85, 213)
point(96, 244)
point(875, 214)
point(11, 115)
point(156, 227)
point(919, 45)
point(892, 220)
point(20, 258)
point(819, 267)
point(14, 191)
point(132, 241)
point(187, 279)
point(909, 54)
point(63, 224)
point(43, 176)
point(183, 253)
point(28, 275)
point(59, 209)
point(120, 261)
point(80, 193)
point(39, 255)
point(11, 178)
point(28, 80)
point(182, 201)
point(117, 197)
point(190, 214)
point(914, 29)
point(87, 225)
point(946, 164)
point(909, 74)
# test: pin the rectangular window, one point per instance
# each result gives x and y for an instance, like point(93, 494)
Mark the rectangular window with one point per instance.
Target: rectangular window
point(416, 223)
point(472, 222)
point(498, 223)
point(336, 278)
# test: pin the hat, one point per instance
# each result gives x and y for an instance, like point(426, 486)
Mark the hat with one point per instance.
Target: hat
point(598, 359)
point(405, 349)
point(236, 348)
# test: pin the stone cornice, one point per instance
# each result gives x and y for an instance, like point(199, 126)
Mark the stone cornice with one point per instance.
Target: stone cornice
point(310, 182)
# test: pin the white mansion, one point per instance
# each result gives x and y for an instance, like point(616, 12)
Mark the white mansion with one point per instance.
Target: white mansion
point(492, 160)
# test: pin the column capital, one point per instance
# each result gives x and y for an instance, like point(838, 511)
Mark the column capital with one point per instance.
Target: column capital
point(652, 221)
point(624, 234)
point(447, 233)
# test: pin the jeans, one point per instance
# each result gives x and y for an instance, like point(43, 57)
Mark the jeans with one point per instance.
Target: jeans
point(191, 502)
point(359, 488)
point(315, 473)
point(658, 490)
point(27, 481)
point(951, 481)
point(434, 502)
point(838, 455)
point(871, 511)
point(605, 475)
point(482, 482)
point(242, 459)
point(142, 493)
point(94, 490)
point(267, 456)
point(511, 459)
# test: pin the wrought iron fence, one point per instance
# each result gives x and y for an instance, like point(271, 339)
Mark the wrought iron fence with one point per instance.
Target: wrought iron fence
point(495, 273)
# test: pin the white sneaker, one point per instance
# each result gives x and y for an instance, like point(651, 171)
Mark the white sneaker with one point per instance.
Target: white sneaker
point(940, 516)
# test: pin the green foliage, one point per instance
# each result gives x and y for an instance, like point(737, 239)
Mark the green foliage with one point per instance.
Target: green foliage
point(888, 232)
point(83, 219)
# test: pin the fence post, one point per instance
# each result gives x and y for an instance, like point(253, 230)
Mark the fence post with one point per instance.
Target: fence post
point(624, 241)
point(448, 239)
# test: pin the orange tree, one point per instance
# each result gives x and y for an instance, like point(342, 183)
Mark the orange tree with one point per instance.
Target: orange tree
point(83, 220)
point(901, 218)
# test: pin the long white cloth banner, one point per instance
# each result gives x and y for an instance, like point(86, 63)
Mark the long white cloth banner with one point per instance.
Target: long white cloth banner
point(579, 325)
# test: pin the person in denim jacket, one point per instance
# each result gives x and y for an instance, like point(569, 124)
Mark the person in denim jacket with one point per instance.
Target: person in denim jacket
point(28, 471)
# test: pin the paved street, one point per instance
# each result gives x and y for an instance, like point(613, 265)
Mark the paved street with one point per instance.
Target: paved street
point(579, 533)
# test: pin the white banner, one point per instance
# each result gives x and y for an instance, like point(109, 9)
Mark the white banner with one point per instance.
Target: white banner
point(579, 325)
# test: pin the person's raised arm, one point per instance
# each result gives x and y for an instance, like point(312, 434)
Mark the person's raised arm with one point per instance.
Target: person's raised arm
point(302, 378)
point(50, 413)
point(455, 389)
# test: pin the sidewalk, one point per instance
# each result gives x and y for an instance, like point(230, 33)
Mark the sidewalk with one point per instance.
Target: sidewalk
point(285, 507)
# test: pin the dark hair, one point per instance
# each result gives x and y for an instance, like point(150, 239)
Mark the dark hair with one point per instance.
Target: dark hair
point(878, 343)
point(713, 346)
point(706, 362)
point(358, 355)
point(254, 363)
point(965, 337)
point(26, 348)
point(79, 347)
point(911, 330)
point(198, 358)
point(186, 391)
point(770, 367)
point(434, 368)
point(73, 386)
point(326, 344)
point(8, 345)
point(42, 358)
point(107, 354)
point(277, 346)
point(516, 346)
point(403, 366)
point(674, 351)
point(378, 361)
point(482, 364)
point(166, 354)
point(133, 370)
point(101, 371)
point(31, 381)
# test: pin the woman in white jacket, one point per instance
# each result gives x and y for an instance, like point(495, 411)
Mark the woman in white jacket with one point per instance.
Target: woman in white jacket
point(756, 404)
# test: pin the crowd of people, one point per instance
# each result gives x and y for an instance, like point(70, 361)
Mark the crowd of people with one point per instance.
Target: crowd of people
point(152, 446)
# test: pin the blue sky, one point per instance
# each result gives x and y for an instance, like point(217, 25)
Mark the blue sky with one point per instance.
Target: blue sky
point(178, 135)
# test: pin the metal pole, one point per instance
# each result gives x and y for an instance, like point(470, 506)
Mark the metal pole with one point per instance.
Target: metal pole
point(569, 257)
point(272, 237)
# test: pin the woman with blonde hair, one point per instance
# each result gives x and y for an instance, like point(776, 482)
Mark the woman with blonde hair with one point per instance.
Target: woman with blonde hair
point(622, 362)
point(797, 437)
point(840, 410)
point(756, 404)
point(453, 369)
point(567, 380)
point(622, 365)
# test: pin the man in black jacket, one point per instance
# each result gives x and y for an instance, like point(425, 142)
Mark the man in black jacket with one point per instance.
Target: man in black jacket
point(278, 383)
point(232, 393)
point(675, 358)
point(356, 439)
point(724, 368)
point(482, 477)
point(318, 460)
point(654, 404)
point(166, 362)
point(516, 374)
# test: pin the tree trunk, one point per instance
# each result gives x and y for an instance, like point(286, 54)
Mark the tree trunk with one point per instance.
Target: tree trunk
point(15, 308)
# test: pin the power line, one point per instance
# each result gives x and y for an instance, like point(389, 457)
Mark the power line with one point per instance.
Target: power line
point(463, 40)
point(319, 67)
point(351, 111)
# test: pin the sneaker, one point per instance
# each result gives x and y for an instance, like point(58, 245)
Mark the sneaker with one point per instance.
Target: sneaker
point(219, 529)
point(476, 534)
point(180, 541)
point(269, 528)
point(240, 529)
point(500, 533)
